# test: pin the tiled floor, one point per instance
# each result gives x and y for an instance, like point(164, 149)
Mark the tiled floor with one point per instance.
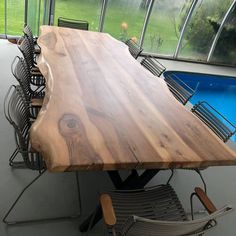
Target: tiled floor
point(55, 194)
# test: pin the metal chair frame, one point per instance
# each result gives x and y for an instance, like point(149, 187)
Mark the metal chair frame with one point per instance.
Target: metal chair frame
point(37, 78)
point(134, 49)
point(181, 91)
point(143, 211)
point(72, 23)
point(153, 65)
point(212, 118)
point(17, 113)
point(33, 41)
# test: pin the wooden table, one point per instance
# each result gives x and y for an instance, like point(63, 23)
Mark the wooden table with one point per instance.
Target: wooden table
point(104, 111)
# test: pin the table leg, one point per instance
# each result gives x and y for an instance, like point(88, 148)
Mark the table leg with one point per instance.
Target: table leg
point(133, 181)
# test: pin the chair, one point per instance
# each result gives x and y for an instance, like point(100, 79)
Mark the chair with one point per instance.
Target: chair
point(221, 126)
point(153, 65)
point(36, 77)
point(33, 97)
point(74, 24)
point(17, 113)
point(134, 49)
point(181, 91)
point(155, 211)
point(33, 41)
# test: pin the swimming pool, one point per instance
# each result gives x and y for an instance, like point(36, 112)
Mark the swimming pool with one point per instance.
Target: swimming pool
point(219, 91)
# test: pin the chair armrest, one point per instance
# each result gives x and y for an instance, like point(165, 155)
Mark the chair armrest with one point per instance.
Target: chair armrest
point(108, 210)
point(36, 102)
point(205, 200)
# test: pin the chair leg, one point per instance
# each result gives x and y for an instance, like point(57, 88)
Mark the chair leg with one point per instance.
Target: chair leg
point(203, 181)
point(16, 164)
point(41, 219)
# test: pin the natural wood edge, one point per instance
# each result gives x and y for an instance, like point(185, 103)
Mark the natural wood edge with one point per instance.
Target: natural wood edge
point(36, 102)
point(205, 200)
point(107, 210)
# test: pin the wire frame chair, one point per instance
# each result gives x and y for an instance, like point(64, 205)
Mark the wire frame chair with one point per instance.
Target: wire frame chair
point(219, 124)
point(181, 91)
point(28, 53)
point(29, 34)
point(36, 77)
point(72, 23)
point(153, 65)
point(22, 75)
point(134, 49)
point(155, 211)
point(17, 113)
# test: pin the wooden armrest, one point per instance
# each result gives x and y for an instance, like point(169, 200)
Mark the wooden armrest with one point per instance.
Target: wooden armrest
point(108, 210)
point(37, 102)
point(207, 203)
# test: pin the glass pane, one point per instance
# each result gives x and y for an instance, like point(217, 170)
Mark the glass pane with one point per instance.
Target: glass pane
point(225, 51)
point(15, 16)
point(88, 10)
point(2, 17)
point(165, 25)
point(124, 18)
point(34, 8)
point(200, 31)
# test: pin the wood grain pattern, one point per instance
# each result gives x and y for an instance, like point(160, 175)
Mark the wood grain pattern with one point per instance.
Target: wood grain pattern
point(103, 110)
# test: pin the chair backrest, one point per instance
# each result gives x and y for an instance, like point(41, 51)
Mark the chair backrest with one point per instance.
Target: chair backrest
point(134, 49)
point(141, 226)
point(27, 52)
point(221, 126)
point(28, 33)
point(153, 65)
point(179, 89)
point(22, 74)
point(74, 24)
point(17, 112)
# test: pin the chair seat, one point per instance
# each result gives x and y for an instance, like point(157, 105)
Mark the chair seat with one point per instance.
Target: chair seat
point(158, 203)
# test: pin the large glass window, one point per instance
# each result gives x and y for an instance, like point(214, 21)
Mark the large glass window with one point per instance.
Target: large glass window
point(201, 29)
point(124, 18)
point(15, 16)
point(88, 10)
point(225, 51)
point(35, 9)
point(2, 16)
point(165, 25)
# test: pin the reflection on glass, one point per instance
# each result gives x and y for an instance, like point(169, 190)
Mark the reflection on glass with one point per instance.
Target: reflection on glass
point(15, 17)
point(165, 24)
point(225, 51)
point(124, 18)
point(201, 30)
point(88, 10)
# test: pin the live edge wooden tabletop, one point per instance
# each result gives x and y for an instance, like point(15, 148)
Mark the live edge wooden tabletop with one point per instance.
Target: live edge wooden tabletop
point(104, 111)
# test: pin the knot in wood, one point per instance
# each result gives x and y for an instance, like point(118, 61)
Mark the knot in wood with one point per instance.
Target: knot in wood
point(69, 125)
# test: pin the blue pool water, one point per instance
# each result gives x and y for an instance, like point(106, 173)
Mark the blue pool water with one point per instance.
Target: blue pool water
point(219, 91)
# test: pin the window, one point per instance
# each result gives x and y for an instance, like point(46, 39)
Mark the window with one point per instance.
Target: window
point(200, 31)
point(225, 51)
point(88, 10)
point(15, 16)
point(165, 25)
point(124, 18)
